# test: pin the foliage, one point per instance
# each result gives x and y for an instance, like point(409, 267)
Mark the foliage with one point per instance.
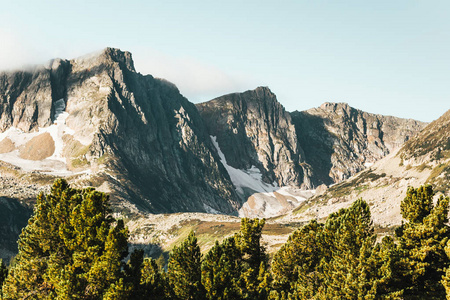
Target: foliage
point(184, 270)
point(422, 244)
point(221, 271)
point(336, 260)
point(71, 248)
point(3, 274)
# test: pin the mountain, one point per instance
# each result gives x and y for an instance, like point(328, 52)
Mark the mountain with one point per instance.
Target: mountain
point(97, 122)
point(340, 141)
point(96, 119)
point(423, 159)
point(253, 130)
point(325, 145)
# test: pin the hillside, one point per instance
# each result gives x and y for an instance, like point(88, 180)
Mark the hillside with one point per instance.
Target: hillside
point(423, 159)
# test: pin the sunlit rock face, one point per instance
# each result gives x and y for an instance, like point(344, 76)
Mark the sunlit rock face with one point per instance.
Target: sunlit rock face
point(96, 119)
point(339, 140)
point(253, 130)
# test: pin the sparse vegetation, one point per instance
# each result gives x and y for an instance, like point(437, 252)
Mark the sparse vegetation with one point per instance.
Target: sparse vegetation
point(358, 184)
point(440, 177)
point(422, 167)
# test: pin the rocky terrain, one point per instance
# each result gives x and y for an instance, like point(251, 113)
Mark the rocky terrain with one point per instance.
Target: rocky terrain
point(339, 140)
point(136, 135)
point(254, 130)
point(424, 159)
point(97, 122)
point(325, 145)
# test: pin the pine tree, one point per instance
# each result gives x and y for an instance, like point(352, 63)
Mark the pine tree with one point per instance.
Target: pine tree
point(336, 260)
point(422, 242)
point(294, 266)
point(152, 284)
point(221, 270)
point(184, 271)
point(254, 259)
point(71, 248)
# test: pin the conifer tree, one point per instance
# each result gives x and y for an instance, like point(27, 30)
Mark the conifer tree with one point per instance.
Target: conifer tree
point(336, 260)
point(254, 259)
point(422, 241)
point(221, 270)
point(71, 248)
point(184, 271)
point(152, 284)
point(294, 266)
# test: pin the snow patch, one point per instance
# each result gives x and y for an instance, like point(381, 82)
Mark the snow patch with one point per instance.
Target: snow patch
point(53, 165)
point(367, 164)
point(245, 179)
point(267, 205)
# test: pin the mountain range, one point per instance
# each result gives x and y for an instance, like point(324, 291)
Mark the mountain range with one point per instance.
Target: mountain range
point(97, 122)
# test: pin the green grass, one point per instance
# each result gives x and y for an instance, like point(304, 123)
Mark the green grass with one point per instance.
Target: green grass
point(422, 167)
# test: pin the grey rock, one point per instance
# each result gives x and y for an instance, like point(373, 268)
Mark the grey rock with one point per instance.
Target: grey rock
point(253, 129)
point(339, 141)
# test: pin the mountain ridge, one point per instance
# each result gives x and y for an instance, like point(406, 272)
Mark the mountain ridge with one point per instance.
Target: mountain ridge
point(134, 136)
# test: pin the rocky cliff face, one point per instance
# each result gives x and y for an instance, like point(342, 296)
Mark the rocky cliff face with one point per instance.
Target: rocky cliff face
point(423, 159)
point(340, 141)
point(254, 130)
point(135, 136)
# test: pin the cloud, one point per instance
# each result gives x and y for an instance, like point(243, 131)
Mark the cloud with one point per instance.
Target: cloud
point(196, 80)
point(16, 53)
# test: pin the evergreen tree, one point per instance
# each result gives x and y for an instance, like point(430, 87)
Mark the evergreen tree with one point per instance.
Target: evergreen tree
point(295, 265)
point(71, 249)
point(254, 275)
point(422, 242)
point(349, 236)
point(184, 271)
point(221, 270)
point(152, 284)
point(337, 260)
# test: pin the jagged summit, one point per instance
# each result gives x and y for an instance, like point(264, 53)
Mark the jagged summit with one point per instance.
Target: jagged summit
point(106, 57)
point(339, 140)
point(134, 135)
point(254, 130)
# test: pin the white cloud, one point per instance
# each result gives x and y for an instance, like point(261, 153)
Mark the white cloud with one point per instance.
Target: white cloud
point(16, 53)
point(196, 80)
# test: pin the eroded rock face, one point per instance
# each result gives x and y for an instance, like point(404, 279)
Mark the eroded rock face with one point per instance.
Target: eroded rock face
point(253, 129)
point(340, 141)
point(135, 132)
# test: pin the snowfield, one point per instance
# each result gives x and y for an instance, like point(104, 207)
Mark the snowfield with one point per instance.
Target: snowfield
point(56, 164)
point(268, 200)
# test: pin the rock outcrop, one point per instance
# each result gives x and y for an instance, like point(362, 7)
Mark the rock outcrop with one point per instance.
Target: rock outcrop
point(339, 141)
point(254, 130)
point(137, 135)
point(423, 159)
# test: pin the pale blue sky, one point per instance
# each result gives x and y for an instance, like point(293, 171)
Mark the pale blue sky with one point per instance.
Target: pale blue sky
point(387, 57)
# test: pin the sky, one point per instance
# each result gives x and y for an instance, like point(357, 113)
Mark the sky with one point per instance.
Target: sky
point(387, 57)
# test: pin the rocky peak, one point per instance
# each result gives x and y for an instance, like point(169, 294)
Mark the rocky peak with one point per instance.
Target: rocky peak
point(340, 141)
point(137, 136)
point(254, 130)
point(106, 58)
